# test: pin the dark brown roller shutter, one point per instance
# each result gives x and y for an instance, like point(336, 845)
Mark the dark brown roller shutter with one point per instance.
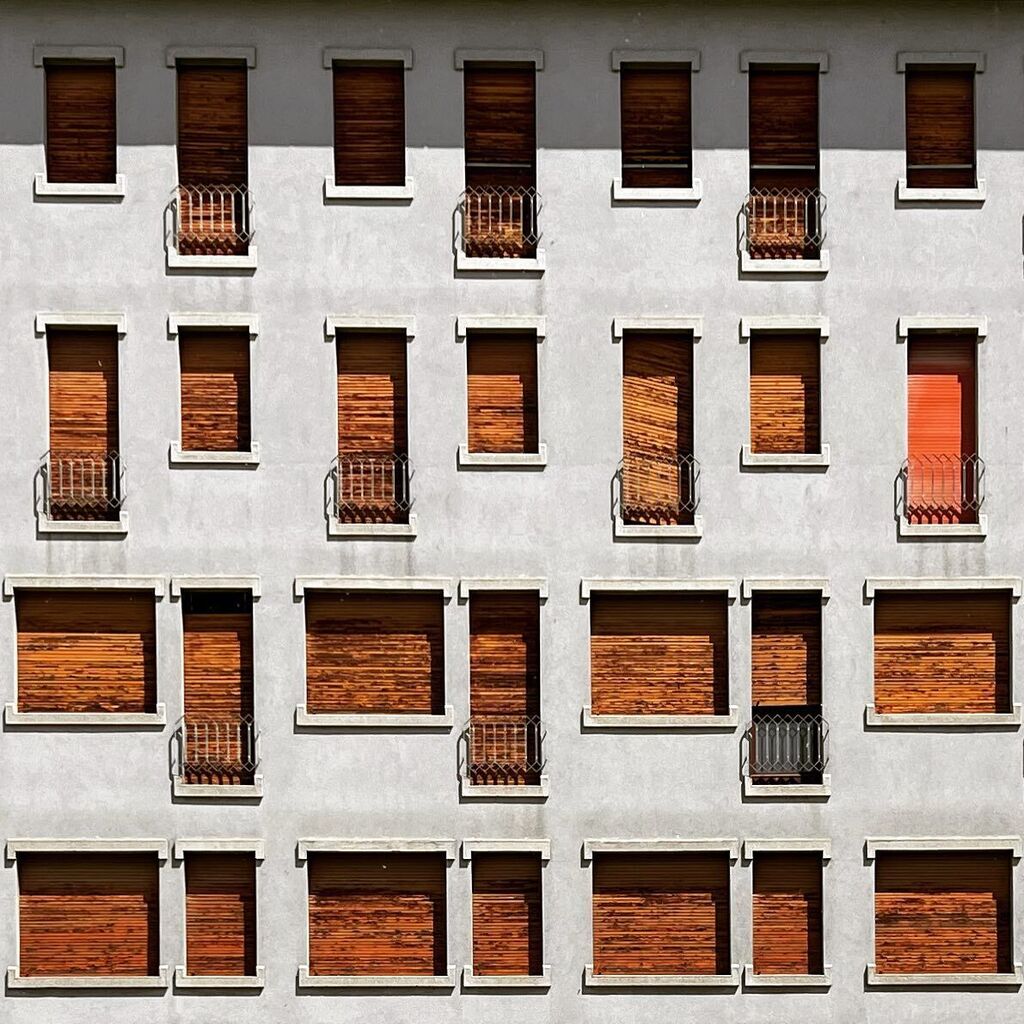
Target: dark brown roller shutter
point(502, 389)
point(940, 127)
point(88, 914)
point(787, 914)
point(370, 653)
point(215, 413)
point(369, 124)
point(81, 122)
point(947, 912)
point(785, 400)
point(783, 127)
point(659, 654)
point(220, 914)
point(942, 653)
point(661, 913)
point(86, 650)
point(508, 931)
point(377, 914)
point(213, 133)
point(655, 112)
point(786, 649)
point(657, 427)
point(500, 125)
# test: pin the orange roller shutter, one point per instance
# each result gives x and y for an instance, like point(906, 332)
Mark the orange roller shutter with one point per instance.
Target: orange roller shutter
point(507, 924)
point(220, 914)
point(785, 394)
point(787, 914)
point(215, 413)
point(502, 393)
point(786, 649)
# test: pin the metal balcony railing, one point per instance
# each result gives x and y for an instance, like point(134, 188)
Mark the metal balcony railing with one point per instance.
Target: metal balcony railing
point(784, 224)
point(217, 751)
point(941, 489)
point(504, 751)
point(371, 487)
point(212, 220)
point(659, 490)
point(500, 222)
point(82, 485)
point(787, 747)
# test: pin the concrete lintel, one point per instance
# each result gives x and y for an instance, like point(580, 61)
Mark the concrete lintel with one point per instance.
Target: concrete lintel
point(444, 584)
point(818, 57)
point(875, 583)
point(753, 846)
point(751, 584)
point(470, 583)
point(502, 981)
point(250, 583)
point(367, 55)
point(216, 981)
point(729, 846)
point(244, 321)
point(590, 720)
point(376, 981)
point(61, 318)
point(75, 54)
point(105, 719)
point(876, 979)
point(949, 844)
point(752, 980)
point(784, 324)
point(464, 56)
point(305, 847)
point(16, 581)
point(465, 324)
point(538, 846)
point(906, 324)
point(211, 55)
point(621, 585)
point(592, 980)
point(968, 720)
point(15, 980)
point(693, 324)
point(52, 845)
point(335, 323)
point(253, 846)
point(315, 720)
point(686, 57)
point(908, 58)
point(334, 193)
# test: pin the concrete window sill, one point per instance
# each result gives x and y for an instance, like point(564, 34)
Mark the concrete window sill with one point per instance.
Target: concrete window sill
point(943, 531)
point(183, 980)
point(775, 792)
point(592, 980)
point(375, 193)
point(336, 528)
point(631, 531)
point(500, 265)
point(952, 196)
point(1010, 719)
point(877, 979)
point(191, 791)
point(541, 791)
point(752, 980)
point(620, 194)
point(62, 981)
point(314, 720)
point(307, 980)
point(80, 190)
point(62, 719)
point(67, 527)
point(181, 457)
point(794, 460)
point(749, 265)
point(499, 981)
point(246, 262)
point(596, 721)
point(503, 460)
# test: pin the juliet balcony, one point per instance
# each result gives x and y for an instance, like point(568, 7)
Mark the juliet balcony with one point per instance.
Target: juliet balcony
point(82, 491)
point(212, 225)
point(942, 493)
point(504, 755)
point(783, 227)
point(787, 752)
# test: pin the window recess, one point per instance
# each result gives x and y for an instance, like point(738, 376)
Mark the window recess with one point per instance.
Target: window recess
point(785, 394)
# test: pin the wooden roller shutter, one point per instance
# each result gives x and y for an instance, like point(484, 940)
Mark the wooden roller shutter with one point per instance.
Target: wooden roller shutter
point(659, 654)
point(785, 400)
point(81, 122)
point(508, 931)
point(220, 914)
point(213, 131)
point(83, 391)
point(947, 912)
point(500, 125)
point(370, 653)
point(502, 390)
point(941, 428)
point(88, 914)
point(382, 913)
point(786, 649)
point(215, 413)
point(369, 124)
point(787, 914)
point(783, 127)
point(940, 127)
point(942, 653)
point(86, 650)
point(661, 913)
point(655, 112)
point(657, 427)
point(372, 393)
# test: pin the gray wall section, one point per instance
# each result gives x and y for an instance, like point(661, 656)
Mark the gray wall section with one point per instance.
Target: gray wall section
point(603, 262)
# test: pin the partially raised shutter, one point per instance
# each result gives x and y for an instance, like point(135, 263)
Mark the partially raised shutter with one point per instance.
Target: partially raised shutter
point(86, 650)
point(787, 914)
point(83, 392)
point(785, 394)
point(655, 112)
point(213, 131)
point(215, 413)
point(661, 913)
point(502, 391)
point(940, 127)
point(942, 653)
point(369, 124)
point(372, 392)
point(81, 122)
point(377, 914)
point(507, 923)
point(88, 914)
point(220, 914)
point(786, 649)
point(659, 654)
point(947, 912)
point(500, 125)
point(371, 653)
point(783, 127)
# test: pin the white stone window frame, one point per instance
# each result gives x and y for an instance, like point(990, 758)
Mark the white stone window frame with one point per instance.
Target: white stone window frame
point(536, 264)
point(335, 324)
point(731, 847)
point(694, 325)
point(249, 322)
point(43, 321)
point(690, 60)
point(907, 325)
point(305, 980)
point(726, 586)
point(69, 190)
point(751, 848)
point(907, 59)
point(183, 847)
point(180, 789)
point(785, 268)
point(540, 847)
point(498, 325)
point(334, 193)
point(952, 844)
point(405, 584)
point(60, 982)
point(765, 327)
point(64, 719)
point(1012, 584)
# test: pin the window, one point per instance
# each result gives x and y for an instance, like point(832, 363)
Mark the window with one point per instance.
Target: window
point(215, 390)
point(940, 126)
point(220, 914)
point(502, 392)
point(942, 652)
point(788, 933)
point(81, 122)
point(785, 393)
point(369, 124)
point(655, 116)
point(508, 928)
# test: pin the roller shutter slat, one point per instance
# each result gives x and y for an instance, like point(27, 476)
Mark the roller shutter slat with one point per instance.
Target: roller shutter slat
point(507, 922)
point(785, 394)
point(372, 392)
point(502, 393)
point(81, 122)
point(940, 127)
point(783, 127)
point(215, 413)
point(787, 903)
point(786, 650)
point(213, 133)
point(655, 114)
point(500, 125)
point(220, 914)
point(369, 125)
